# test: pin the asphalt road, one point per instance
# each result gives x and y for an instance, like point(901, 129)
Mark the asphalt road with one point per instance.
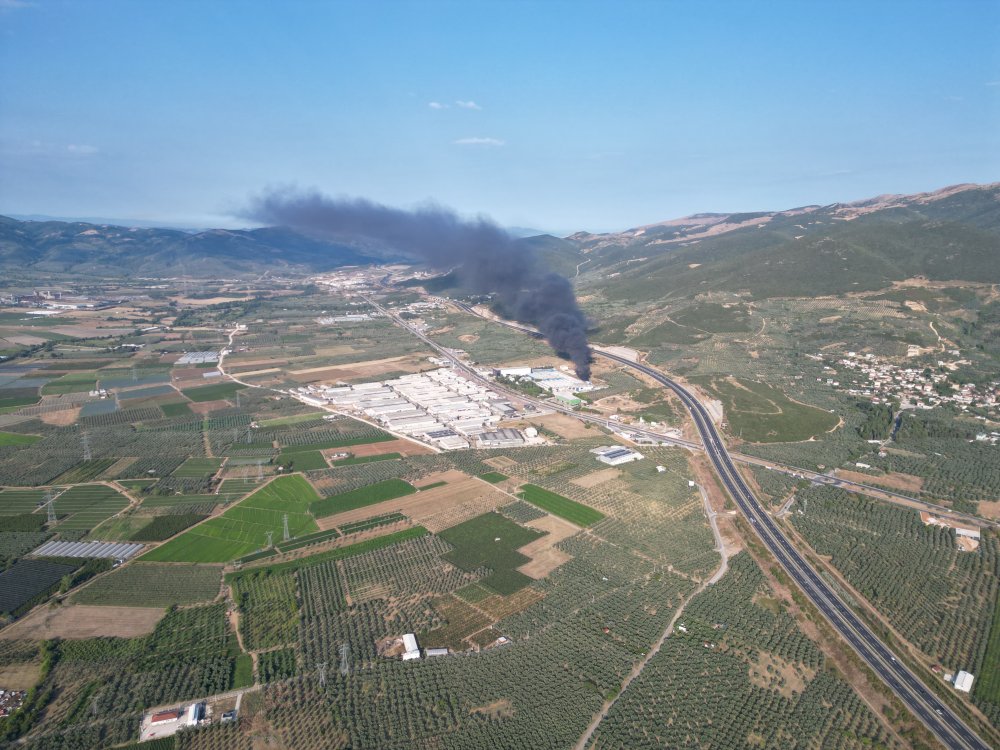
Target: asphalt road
point(937, 716)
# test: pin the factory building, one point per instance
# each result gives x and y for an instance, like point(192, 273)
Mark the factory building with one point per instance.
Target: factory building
point(505, 438)
point(616, 455)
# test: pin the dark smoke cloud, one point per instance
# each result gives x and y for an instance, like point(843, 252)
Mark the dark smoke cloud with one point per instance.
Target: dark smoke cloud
point(484, 256)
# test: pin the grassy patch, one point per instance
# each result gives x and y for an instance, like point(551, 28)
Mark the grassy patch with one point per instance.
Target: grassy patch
point(558, 505)
point(12, 438)
point(375, 493)
point(494, 477)
point(761, 414)
point(491, 541)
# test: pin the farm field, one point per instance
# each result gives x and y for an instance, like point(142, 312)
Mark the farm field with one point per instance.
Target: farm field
point(213, 392)
point(558, 505)
point(87, 506)
point(142, 584)
point(491, 541)
point(389, 489)
point(15, 439)
point(79, 622)
point(26, 579)
point(243, 528)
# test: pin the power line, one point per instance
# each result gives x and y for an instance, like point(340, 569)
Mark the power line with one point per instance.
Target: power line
point(286, 535)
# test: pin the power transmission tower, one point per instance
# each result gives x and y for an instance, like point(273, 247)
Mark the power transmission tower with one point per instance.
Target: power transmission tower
point(133, 373)
point(237, 399)
point(85, 438)
point(286, 536)
point(260, 471)
point(321, 667)
point(50, 504)
point(345, 653)
point(270, 542)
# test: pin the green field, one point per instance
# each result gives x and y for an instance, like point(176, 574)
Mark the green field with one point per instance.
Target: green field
point(153, 585)
point(243, 528)
point(176, 409)
point(87, 506)
point(74, 382)
point(494, 477)
point(302, 460)
point(987, 688)
point(491, 541)
point(758, 413)
point(197, 467)
point(369, 545)
point(314, 416)
point(213, 392)
point(375, 493)
point(14, 502)
point(12, 438)
point(558, 505)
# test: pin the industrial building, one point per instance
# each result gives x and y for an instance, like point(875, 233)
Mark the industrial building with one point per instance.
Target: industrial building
point(963, 681)
point(440, 406)
point(504, 438)
point(615, 455)
point(410, 646)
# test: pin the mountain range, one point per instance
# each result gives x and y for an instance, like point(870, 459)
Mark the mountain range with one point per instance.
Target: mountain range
point(949, 234)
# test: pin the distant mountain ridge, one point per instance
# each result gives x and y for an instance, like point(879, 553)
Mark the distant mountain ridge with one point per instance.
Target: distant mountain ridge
point(948, 234)
point(79, 247)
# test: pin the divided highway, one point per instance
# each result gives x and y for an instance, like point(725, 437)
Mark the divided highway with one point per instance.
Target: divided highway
point(920, 700)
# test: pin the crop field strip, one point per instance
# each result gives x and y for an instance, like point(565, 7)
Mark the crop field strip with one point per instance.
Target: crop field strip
point(243, 528)
point(141, 584)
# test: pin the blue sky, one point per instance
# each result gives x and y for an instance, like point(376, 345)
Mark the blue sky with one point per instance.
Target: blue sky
point(557, 115)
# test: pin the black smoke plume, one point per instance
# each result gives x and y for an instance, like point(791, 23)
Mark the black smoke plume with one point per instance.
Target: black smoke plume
point(485, 258)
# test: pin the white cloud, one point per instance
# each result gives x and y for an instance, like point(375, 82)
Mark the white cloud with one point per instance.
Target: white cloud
point(479, 141)
point(437, 105)
point(467, 105)
point(82, 149)
point(993, 83)
point(14, 5)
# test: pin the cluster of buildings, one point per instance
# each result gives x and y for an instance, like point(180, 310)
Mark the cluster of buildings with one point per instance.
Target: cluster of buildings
point(914, 387)
point(411, 650)
point(11, 701)
point(559, 382)
point(56, 300)
point(328, 320)
point(440, 406)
